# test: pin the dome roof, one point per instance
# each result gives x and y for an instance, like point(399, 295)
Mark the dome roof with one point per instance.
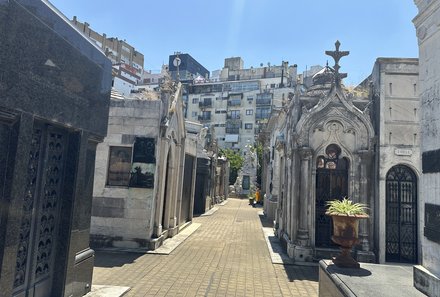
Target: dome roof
point(324, 76)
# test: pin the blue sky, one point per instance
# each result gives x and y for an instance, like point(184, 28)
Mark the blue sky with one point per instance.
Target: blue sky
point(259, 31)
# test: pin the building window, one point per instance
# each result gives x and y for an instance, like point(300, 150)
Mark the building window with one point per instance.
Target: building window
point(249, 111)
point(119, 166)
point(248, 126)
point(205, 116)
point(264, 99)
point(194, 113)
point(234, 114)
point(232, 128)
point(262, 113)
point(234, 102)
point(195, 100)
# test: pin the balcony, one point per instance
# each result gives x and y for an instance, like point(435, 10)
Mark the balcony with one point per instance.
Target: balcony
point(263, 101)
point(234, 103)
point(234, 123)
point(206, 104)
point(204, 118)
point(232, 130)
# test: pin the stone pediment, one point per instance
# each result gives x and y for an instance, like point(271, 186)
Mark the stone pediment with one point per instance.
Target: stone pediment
point(334, 107)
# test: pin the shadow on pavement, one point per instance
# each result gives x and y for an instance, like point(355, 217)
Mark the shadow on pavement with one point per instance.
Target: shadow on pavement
point(301, 273)
point(265, 222)
point(294, 272)
point(114, 259)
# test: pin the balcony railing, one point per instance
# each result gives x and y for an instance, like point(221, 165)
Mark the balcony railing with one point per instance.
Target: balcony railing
point(205, 104)
point(263, 101)
point(204, 118)
point(232, 130)
point(234, 103)
point(262, 116)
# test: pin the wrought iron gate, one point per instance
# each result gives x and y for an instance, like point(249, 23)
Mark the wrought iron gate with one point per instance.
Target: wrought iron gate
point(330, 184)
point(38, 232)
point(401, 215)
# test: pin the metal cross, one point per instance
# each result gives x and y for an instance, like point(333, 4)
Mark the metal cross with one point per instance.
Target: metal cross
point(337, 55)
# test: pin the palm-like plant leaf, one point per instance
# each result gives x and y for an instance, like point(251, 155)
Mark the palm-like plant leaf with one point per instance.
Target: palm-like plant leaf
point(346, 207)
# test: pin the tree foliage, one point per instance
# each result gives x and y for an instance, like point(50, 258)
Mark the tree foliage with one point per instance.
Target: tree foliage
point(236, 163)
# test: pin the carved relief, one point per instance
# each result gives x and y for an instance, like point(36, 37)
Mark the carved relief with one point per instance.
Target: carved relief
point(421, 32)
point(51, 197)
point(305, 153)
point(28, 206)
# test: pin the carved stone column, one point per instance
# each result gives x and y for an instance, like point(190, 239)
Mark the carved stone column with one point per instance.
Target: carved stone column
point(365, 159)
point(304, 197)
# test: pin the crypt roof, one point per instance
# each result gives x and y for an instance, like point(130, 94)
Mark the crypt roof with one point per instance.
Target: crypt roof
point(324, 76)
point(330, 104)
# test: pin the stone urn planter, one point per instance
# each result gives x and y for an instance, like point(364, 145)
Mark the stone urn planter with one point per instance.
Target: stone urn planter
point(345, 216)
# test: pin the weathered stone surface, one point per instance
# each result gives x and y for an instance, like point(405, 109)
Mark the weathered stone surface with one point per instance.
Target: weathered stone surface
point(54, 100)
point(428, 33)
point(370, 280)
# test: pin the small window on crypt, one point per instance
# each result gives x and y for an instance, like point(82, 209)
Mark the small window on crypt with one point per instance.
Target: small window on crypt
point(320, 162)
point(119, 166)
point(332, 159)
point(333, 151)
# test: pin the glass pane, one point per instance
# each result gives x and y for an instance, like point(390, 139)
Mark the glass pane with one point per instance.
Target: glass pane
point(119, 166)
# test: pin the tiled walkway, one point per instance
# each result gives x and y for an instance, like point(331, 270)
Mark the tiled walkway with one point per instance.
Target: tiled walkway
point(226, 256)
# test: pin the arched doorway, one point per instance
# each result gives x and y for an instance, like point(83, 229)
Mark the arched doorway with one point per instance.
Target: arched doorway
point(331, 184)
point(401, 215)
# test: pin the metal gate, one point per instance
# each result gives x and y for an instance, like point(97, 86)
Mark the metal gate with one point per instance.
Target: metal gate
point(331, 184)
point(401, 215)
point(40, 218)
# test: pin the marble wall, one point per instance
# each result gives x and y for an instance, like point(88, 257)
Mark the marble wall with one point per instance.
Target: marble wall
point(122, 214)
point(427, 277)
point(396, 118)
point(54, 100)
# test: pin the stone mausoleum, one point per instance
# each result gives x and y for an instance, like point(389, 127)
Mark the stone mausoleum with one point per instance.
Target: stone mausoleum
point(145, 172)
point(54, 99)
point(427, 275)
point(328, 142)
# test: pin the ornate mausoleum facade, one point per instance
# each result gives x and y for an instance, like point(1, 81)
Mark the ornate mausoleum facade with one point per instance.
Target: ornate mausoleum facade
point(331, 142)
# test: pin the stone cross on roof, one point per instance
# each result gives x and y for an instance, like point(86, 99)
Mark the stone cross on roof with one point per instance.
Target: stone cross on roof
point(337, 55)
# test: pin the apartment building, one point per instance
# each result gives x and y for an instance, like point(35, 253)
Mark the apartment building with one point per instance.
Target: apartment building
point(185, 68)
point(118, 51)
point(240, 100)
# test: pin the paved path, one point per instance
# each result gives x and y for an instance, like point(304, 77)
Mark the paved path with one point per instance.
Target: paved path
point(226, 256)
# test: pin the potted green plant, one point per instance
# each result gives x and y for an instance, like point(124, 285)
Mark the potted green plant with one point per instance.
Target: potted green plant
point(345, 215)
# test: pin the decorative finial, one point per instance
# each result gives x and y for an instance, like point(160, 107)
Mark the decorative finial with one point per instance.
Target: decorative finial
point(337, 55)
point(337, 44)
